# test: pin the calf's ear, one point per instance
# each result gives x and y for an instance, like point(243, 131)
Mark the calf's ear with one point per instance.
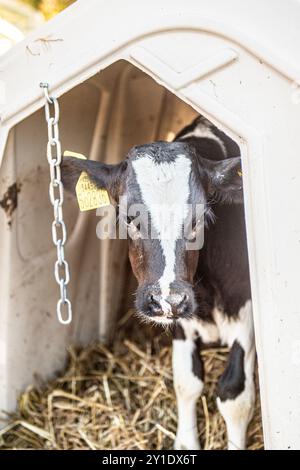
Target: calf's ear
point(105, 176)
point(224, 178)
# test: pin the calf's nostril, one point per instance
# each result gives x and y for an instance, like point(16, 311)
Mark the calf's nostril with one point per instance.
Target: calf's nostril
point(181, 304)
point(178, 299)
point(184, 298)
point(152, 298)
point(154, 306)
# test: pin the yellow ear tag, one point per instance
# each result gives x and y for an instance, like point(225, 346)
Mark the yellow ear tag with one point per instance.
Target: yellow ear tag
point(239, 172)
point(89, 196)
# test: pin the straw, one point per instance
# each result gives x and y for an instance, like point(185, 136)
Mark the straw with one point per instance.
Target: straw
point(119, 398)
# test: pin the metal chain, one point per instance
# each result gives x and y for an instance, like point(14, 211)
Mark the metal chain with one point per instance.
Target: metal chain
point(56, 194)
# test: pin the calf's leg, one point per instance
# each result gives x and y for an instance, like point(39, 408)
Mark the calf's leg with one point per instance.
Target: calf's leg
point(236, 388)
point(188, 383)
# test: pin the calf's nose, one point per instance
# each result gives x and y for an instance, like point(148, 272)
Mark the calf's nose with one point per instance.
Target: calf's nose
point(175, 304)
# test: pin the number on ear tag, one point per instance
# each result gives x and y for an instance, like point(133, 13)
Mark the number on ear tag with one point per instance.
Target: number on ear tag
point(89, 196)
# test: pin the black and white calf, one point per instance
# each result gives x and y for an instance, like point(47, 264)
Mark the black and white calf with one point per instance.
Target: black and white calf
point(203, 295)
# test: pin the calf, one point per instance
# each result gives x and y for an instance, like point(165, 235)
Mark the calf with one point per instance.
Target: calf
point(203, 294)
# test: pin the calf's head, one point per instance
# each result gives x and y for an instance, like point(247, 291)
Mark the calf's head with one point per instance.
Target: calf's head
point(169, 181)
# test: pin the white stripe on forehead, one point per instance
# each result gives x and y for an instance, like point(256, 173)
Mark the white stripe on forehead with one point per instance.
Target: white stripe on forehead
point(165, 187)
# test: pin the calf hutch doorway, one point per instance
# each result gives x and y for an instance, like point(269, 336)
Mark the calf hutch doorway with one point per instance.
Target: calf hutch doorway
point(102, 118)
point(125, 83)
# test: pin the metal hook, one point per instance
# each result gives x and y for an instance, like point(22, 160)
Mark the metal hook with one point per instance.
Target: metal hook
point(45, 87)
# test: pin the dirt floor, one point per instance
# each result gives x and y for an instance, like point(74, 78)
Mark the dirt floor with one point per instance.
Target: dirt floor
point(118, 398)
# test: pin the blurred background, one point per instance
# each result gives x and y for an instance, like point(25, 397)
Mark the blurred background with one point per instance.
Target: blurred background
point(19, 17)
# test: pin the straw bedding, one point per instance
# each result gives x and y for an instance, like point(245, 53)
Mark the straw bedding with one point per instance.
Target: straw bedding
point(118, 398)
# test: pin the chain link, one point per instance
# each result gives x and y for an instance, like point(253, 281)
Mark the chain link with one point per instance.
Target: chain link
point(56, 194)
